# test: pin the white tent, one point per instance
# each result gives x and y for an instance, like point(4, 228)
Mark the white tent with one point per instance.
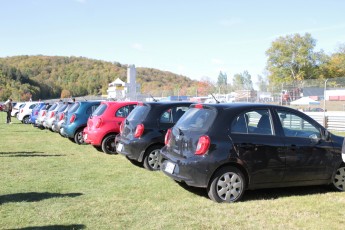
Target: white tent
point(305, 101)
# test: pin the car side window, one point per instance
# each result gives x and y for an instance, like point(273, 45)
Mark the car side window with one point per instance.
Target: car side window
point(296, 126)
point(90, 110)
point(172, 115)
point(253, 122)
point(32, 106)
point(124, 111)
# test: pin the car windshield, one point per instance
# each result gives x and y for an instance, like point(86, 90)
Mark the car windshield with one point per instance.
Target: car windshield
point(100, 110)
point(196, 119)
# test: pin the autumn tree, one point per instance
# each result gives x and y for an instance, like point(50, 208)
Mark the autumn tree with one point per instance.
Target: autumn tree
point(292, 58)
point(65, 93)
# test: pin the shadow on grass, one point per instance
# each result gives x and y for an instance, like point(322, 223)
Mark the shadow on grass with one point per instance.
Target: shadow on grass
point(267, 194)
point(53, 227)
point(33, 196)
point(28, 154)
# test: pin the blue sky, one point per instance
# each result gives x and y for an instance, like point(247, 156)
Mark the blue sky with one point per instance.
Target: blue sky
point(195, 38)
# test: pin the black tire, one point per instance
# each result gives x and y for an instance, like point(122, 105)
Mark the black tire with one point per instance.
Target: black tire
point(98, 148)
point(108, 144)
point(26, 120)
point(151, 161)
point(227, 185)
point(338, 182)
point(78, 136)
point(71, 139)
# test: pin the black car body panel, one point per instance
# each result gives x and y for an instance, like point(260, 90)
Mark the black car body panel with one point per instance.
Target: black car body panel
point(288, 149)
point(155, 120)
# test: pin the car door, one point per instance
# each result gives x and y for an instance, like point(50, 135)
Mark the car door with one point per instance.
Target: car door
point(308, 155)
point(258, 146)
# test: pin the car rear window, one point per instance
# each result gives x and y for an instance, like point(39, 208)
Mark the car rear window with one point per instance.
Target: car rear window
point(138, 114)
point(100, 110)
point(197, 119)
point(74, 107)
point(53, 107)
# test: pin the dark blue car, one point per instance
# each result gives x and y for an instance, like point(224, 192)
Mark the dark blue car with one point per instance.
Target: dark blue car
point(76, 120)
point(35, 111)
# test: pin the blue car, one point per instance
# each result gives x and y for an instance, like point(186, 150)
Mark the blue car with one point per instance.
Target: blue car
point(35, 111)
point(76, 120)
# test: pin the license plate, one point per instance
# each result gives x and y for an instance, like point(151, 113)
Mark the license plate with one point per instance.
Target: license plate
point(169, 167)
point(119, 147)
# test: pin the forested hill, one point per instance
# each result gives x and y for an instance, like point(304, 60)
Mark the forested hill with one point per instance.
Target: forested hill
point(22, 77)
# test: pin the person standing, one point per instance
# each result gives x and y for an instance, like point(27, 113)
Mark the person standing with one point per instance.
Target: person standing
point(9, 105)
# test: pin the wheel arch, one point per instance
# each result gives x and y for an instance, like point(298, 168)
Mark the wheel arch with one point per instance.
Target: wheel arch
point(230, 164)
point(145, 152)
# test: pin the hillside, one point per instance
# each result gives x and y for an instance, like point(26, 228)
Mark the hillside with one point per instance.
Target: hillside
point(43, 77)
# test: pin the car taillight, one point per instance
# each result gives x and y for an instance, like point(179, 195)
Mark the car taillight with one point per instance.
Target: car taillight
point(21, 110)
point(36, 113)
point(52, 114)
point(203, 145)
point(167, 138)
point(62, 115)
point(139, 131)
point(72, 119)
point(44, 113)
point(122, 127)
point(99, 122)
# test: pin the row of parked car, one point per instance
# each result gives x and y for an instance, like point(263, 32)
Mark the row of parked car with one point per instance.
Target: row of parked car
point(224, 148)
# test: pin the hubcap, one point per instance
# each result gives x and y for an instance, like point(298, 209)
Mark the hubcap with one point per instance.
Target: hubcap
point(339, 179)
point(153, 159)
point(229, 186)
point(80, 138)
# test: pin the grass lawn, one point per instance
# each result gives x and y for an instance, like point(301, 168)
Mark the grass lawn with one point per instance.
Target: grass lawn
point(48, 182)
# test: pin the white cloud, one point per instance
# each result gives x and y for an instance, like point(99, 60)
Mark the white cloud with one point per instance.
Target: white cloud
point(81, 1)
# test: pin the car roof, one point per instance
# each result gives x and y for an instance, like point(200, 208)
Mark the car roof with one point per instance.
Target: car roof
point(241, 105)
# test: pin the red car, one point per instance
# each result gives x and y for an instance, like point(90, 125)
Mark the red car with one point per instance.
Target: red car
point(104, 124)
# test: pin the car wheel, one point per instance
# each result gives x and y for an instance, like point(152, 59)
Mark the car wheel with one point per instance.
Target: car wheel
point(339, 179)
point(26, 120)
point(227, 185)
point(108, 144)
point(151, 161)
point(78, 137)
point(71, 139)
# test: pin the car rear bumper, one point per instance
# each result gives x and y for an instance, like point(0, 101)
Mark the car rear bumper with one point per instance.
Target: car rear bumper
point(93, 137)
point(194, 171)
point(132, 149)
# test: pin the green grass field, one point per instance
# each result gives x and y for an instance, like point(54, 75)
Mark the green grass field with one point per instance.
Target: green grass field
point(48, 182)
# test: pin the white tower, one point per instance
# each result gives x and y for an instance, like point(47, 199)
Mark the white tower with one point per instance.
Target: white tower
point(131, 82)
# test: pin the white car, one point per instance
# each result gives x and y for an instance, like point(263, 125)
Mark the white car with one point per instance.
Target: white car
point(25, 112)
point(17, 108)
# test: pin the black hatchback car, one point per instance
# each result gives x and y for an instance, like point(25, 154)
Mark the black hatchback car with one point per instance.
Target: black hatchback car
point(229, 148)
point(142, 133)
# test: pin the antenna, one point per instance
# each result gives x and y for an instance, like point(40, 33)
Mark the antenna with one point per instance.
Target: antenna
point(154, 99)
point(215, 98)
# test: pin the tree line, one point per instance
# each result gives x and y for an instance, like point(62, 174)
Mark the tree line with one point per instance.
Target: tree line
point(291, 59)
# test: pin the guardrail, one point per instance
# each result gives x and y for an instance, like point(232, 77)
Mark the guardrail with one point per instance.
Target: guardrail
point(331, 120)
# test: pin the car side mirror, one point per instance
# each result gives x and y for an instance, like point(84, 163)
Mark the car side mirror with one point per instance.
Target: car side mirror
point(326, 135)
